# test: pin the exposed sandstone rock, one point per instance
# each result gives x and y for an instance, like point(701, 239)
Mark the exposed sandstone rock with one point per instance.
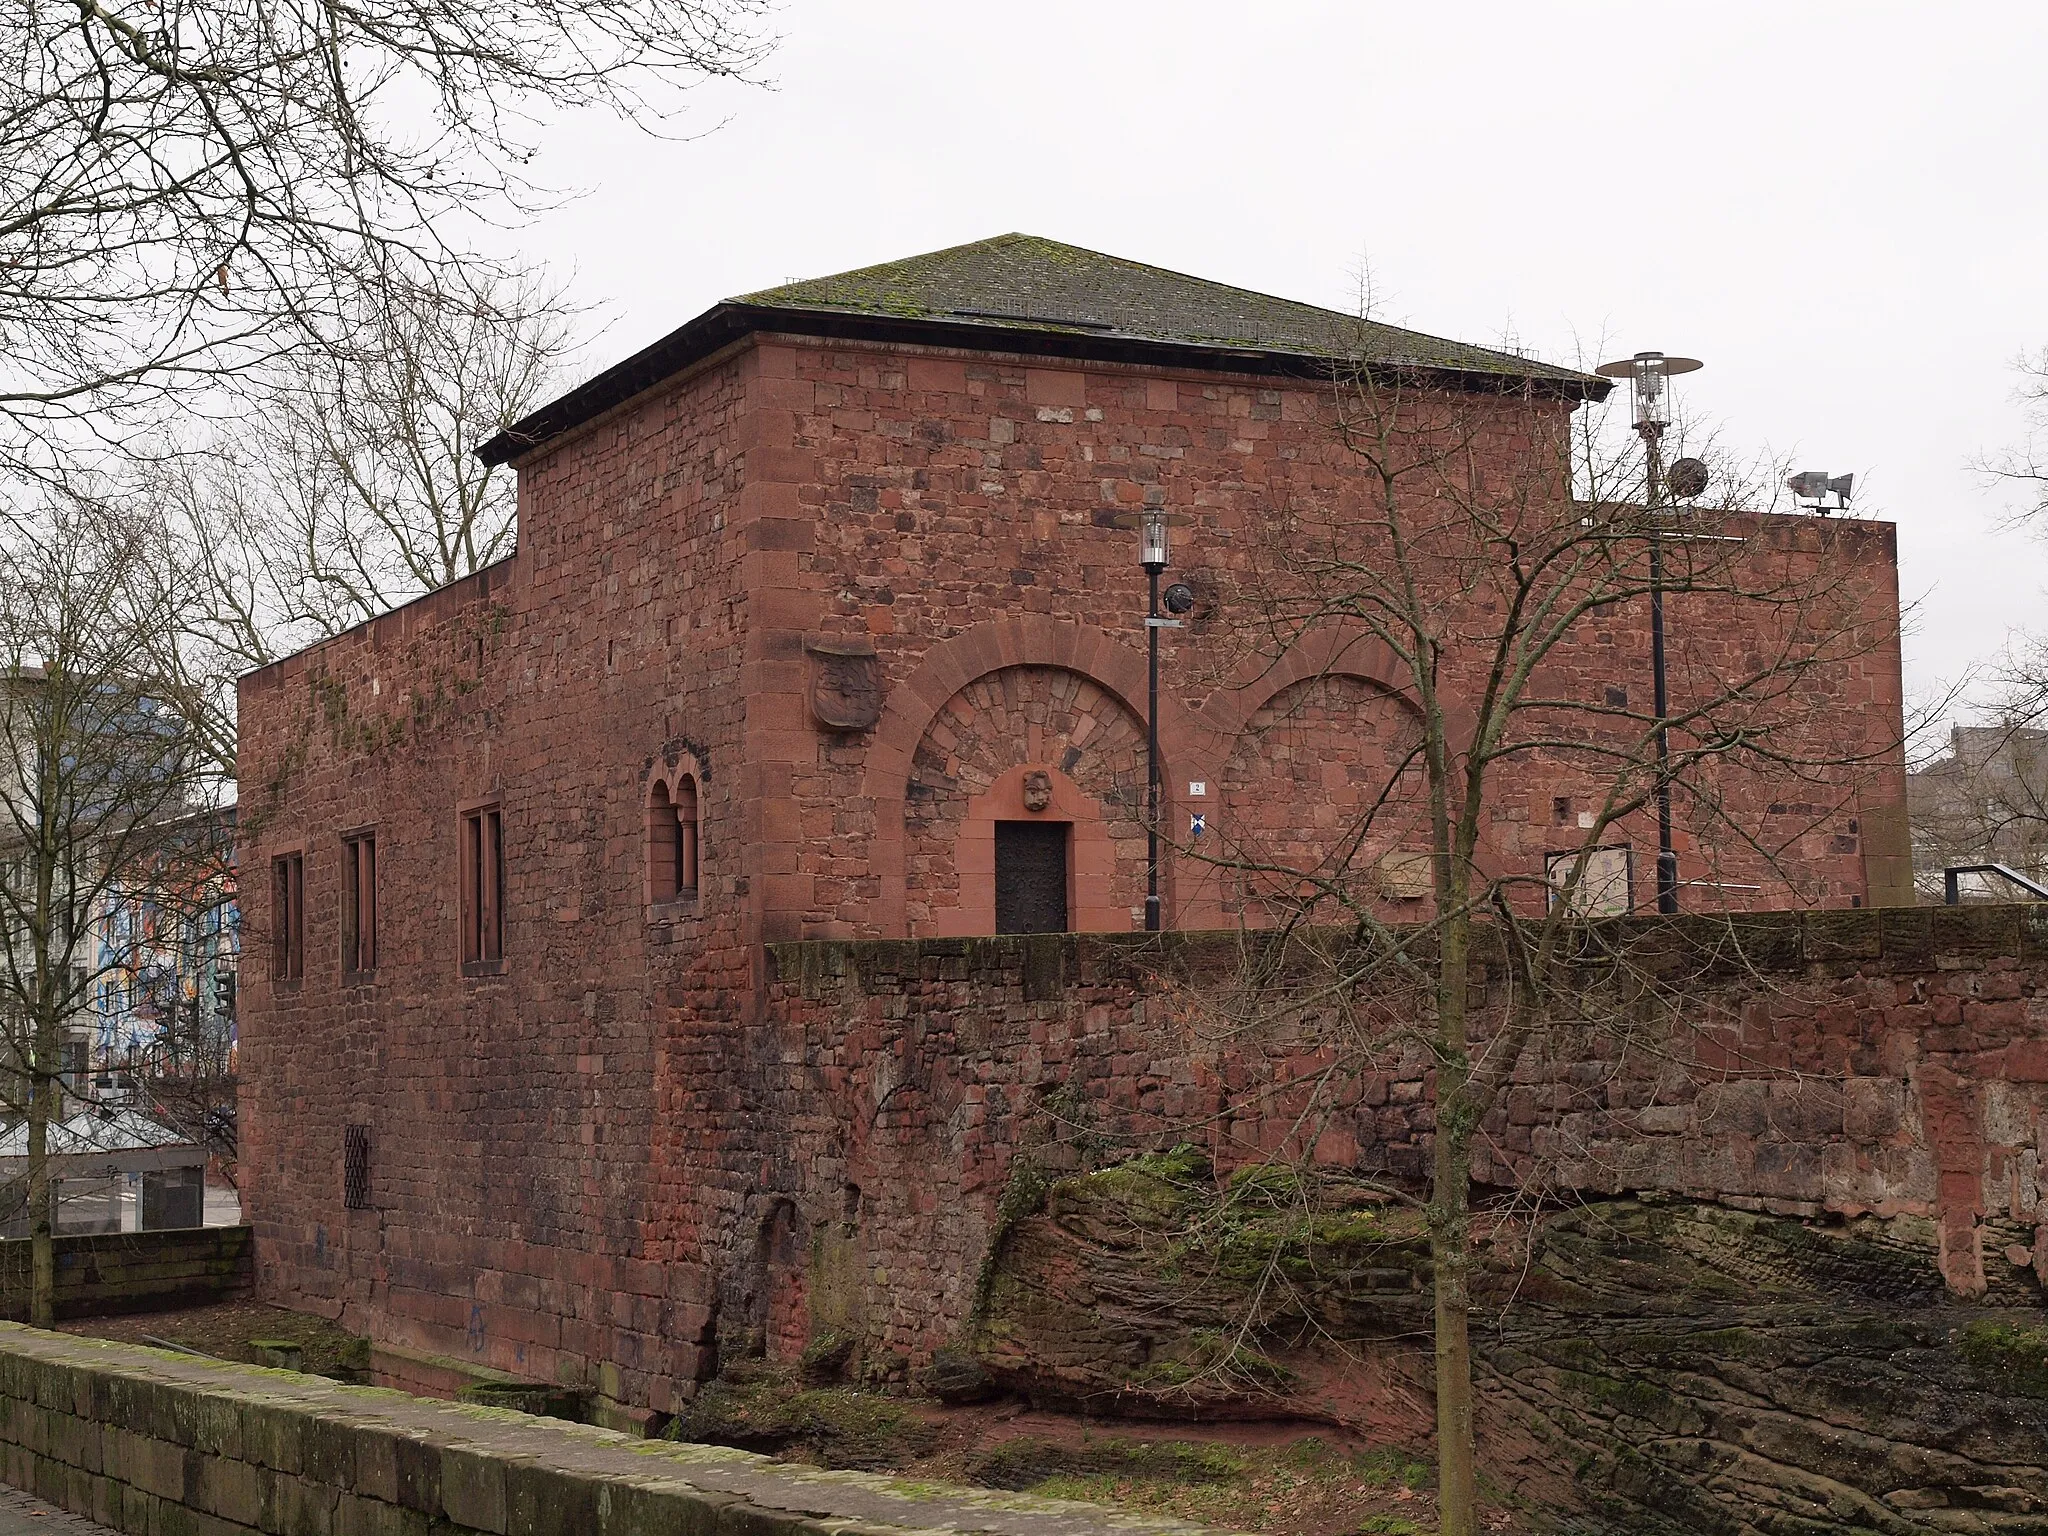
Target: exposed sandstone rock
point(1647, 1367)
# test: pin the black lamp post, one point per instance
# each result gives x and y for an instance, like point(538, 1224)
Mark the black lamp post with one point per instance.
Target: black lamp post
point(1152, 524)
point(1153, 558)
point(1649, 375)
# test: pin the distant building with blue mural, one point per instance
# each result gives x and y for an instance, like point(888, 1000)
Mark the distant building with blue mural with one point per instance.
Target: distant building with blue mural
point(165, 963)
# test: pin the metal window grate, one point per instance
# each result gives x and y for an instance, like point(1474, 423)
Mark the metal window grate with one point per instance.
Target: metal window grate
point(355, 1168)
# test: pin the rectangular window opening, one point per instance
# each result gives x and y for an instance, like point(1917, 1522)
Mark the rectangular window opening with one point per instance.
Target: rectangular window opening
point(288, 917)
point(355, 1167)
point(483, 891)
point(359, 904)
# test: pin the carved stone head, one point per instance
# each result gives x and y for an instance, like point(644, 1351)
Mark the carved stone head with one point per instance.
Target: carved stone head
point(1037, 790)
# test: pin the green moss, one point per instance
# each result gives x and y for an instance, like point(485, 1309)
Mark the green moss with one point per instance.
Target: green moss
point(2008, 1357)
point(1212, 1352)
point(1234, 1487)
point(1023, 1196)
point(1625, 1395)
point(1018, 1465)
point(1267, 1184)
point(834, 1427)
point(1249, 1241)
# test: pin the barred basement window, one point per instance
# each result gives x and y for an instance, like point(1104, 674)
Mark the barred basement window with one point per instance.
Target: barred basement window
point(288, 917)
point(355, 1167)
point(359, 904)
point(483, 892)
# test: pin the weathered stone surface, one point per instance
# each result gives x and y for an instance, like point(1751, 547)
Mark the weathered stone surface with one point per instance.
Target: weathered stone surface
point(603, 1164)
point(380, 1461)
point(1657, 1367)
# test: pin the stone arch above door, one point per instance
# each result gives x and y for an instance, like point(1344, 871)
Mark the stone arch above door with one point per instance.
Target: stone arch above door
point(970, 770)
point(1028, 640)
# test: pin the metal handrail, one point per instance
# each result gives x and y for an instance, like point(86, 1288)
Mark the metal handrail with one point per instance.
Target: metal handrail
point(1951, 890)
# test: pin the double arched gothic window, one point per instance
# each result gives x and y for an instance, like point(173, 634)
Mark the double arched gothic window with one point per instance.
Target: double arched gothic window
point(675, 850)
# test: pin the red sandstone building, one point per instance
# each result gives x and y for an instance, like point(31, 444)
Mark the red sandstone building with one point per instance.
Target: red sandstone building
point(818, 622)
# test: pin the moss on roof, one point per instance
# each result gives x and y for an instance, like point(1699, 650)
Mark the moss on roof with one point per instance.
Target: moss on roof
point(1028, 283)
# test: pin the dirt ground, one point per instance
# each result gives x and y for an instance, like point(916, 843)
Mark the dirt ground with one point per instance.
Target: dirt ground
point(225, 1329)
point(1284, 1479)
point(1290, 1480)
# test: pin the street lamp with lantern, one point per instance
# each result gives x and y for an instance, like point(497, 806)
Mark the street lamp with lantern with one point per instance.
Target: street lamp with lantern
point(1649, 375)
point(1152, 524)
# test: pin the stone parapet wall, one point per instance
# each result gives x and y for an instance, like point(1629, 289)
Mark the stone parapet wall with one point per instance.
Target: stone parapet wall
point(134, 1271)
point(1823, 1065)
point(148, 1443)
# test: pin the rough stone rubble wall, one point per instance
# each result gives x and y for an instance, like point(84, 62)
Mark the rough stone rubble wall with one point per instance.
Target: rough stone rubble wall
point(1829, 1064)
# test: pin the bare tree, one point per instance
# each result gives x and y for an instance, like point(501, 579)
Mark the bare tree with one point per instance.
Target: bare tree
point(2024, 466)
point(1983, 801)
point(189, 186)
point(98, 777)
point(351, 486)
point(1495, 571)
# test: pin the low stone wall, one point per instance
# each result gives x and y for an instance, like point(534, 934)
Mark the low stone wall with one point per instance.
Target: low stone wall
point(134, 1271)
point(1814, 1065)
point(149, 1442)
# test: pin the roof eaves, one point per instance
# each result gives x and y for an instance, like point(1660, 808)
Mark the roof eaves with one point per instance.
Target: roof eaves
point(728, 321)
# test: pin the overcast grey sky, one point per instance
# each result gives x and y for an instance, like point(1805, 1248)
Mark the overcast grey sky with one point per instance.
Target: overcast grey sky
point(1838, 206)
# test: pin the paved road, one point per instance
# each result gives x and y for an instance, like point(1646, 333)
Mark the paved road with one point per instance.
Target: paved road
point(21, 1515)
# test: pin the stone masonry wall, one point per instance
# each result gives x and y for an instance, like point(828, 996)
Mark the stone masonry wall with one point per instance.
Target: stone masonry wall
point(522, 1206)
point(1831, 1064)
point(110, 1272)
point(598, 1165)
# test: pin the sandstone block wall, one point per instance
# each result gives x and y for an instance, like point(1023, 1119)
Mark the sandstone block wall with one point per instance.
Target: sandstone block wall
point(134, 1271)
point(151, 1443)
point(572, 1162)
point(1827, 1065)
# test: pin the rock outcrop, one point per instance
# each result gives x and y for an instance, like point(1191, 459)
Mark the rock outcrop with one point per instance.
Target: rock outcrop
point(1647, 1366)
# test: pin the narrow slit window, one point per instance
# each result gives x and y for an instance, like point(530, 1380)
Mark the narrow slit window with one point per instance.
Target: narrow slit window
point(355, 1167)
point(483, 890)
point(359, 904)
point(288, 917)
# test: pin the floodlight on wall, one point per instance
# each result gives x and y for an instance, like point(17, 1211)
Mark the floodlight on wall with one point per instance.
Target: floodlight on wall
point(1816, 486)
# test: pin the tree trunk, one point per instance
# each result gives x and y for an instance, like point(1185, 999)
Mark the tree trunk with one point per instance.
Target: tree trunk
point(43, 1087)
point(1450, 1242)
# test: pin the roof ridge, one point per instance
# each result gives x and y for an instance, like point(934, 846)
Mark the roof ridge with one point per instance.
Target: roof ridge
point(876, 266)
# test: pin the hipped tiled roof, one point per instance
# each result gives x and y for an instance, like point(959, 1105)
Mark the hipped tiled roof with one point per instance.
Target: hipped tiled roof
point(1023, 293)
